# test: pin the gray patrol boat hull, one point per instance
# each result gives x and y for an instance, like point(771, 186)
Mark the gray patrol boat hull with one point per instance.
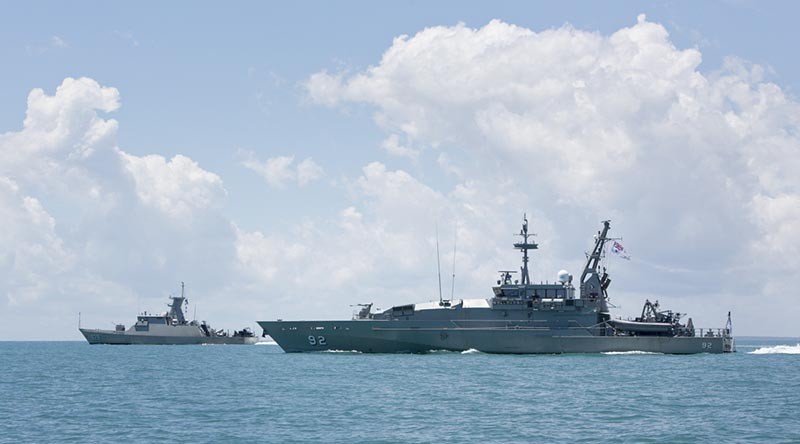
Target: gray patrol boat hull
point(521, 317)
point(95, 336)
point(370, 336)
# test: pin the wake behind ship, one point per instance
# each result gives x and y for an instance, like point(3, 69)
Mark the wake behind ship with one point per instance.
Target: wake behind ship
point(170, 328)
point(520, 317)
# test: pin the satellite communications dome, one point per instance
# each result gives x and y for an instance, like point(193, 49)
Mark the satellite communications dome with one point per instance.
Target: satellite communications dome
point(564, 276)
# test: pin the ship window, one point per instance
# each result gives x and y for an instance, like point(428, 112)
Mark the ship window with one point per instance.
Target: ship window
point(403, 310)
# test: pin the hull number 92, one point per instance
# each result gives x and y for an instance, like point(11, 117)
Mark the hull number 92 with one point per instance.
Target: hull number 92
point(317, 340)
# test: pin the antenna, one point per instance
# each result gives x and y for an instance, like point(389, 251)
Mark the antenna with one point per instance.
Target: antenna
point(438, 264)
point(524, 246)
point(728, 325)
point(455, 242)
point(79, 319)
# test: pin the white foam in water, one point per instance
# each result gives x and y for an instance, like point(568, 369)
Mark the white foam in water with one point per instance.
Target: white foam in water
point(470, 351)
point(634, 352)
point(266, 343)
point(777, 350)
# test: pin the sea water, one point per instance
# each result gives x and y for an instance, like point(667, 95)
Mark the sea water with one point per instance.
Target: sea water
point(75, 392)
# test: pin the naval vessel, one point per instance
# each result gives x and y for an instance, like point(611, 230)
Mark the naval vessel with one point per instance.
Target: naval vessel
point(170, 328)
point(519, 317)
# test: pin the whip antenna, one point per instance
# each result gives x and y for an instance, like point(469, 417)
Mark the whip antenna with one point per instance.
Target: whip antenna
point(438, 264)
point(455, 242)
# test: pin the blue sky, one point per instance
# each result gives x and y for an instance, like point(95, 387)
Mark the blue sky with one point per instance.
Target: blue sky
point(205, 79)
point(223, 86)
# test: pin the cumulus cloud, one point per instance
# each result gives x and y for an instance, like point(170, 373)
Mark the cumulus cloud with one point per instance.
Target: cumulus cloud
point(82, 218)
point(278, 171)
point(394, 201)
point(176, 187)
point(62, 126)
point(696, 169)
point(32, 251)
point(383, 247)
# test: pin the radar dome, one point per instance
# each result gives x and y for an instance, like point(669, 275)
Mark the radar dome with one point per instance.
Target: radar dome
point(564, 276)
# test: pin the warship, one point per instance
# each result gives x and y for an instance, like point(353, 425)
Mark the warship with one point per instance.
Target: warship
point(170, 328)
point(520, 317)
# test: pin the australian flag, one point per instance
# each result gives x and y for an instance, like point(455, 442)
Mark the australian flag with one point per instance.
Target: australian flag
point(619, 250)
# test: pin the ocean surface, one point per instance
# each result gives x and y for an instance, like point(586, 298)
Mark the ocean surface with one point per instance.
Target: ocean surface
point(74, 392)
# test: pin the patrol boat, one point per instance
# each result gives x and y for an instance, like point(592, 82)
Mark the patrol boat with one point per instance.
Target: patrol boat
point(520, 317)
point(170, 328)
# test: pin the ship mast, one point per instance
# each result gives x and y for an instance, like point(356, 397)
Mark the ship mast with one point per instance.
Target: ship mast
point(592, 284)
point(176, 310)
point(525, 246)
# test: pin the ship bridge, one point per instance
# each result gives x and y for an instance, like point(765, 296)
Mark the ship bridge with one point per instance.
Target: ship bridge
point(510, 288)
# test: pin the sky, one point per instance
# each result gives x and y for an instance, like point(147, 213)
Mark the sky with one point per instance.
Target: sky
point(290, 160)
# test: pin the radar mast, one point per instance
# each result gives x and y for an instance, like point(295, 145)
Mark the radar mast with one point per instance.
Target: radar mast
point(525, 246)
point(176, 307)
point(593, 284)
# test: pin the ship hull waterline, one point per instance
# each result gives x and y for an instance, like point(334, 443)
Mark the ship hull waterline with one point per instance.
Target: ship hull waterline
point(95, 336)
point(369, 336)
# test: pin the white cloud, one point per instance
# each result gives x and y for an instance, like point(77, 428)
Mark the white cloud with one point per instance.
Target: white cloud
point(277, 171)
point(58, 42)
point(62, 125)
point(324, 88)
point(383, 248)
point(392, 146)
point(176, 187)
point(82, 217)
point(32, 252)
point(308, 171)
point(696, 170)
point(587, 126)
